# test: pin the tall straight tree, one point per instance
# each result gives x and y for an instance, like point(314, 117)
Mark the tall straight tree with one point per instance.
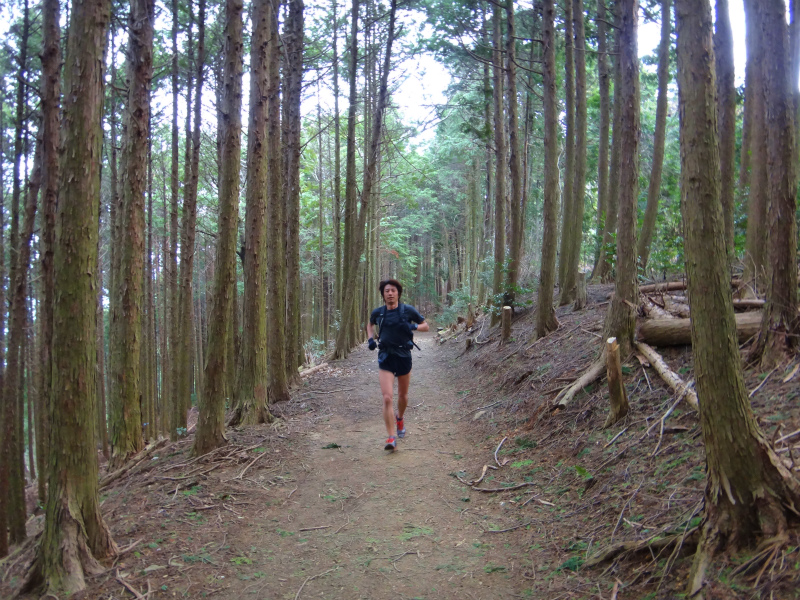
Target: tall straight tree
point(51, 101)
point(344, 337)
point(659, 137)
point(780, 322)
point(357, 231)
point(3, 446)
point(211, 422)
point(75, 537)
point(726, 99)
point(337, 171)
point(183, 353)
point(278, 383)
point(293, 79)
point(748, 491)
point(516, 200)
point(12, 476)
point(500, 156)
point(602, 267)
point(621, 318)
point(251, 395)
point(546, 316)
point(171, 364)
point(604, 125)
point(126, 326)
point(14, 372)
point(567, 201)
point(755, 253)
point(574, 232)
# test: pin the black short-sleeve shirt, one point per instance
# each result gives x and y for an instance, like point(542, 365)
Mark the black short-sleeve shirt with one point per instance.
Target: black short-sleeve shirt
point(395, 336)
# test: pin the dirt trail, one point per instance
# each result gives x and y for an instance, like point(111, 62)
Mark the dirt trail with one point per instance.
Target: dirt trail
point(314, 507)
point(389, 525)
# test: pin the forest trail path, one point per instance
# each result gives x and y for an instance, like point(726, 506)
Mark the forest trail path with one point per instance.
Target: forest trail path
point(388, 525)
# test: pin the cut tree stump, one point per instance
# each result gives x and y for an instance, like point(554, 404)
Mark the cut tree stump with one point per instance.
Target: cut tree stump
point(678, 332)
point(616, 387)
point(581, 295)
point(669, 376)
point(506, 325)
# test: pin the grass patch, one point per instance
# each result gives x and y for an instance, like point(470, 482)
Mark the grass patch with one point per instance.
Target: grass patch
point(412, 531)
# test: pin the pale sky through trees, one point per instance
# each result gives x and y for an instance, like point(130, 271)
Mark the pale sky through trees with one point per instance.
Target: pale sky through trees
point(424, 80)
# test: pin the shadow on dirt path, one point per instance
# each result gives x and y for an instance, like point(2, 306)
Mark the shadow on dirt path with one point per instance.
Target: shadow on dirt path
point(312, 506)
point(361, 522)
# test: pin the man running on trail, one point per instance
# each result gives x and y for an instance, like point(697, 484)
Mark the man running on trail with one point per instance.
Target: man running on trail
point(396, 325)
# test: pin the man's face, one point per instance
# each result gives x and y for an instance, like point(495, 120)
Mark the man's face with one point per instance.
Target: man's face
point(390, 294)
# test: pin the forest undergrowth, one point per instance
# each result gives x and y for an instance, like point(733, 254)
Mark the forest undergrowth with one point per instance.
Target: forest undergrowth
point(494, 494)
point(621, 505)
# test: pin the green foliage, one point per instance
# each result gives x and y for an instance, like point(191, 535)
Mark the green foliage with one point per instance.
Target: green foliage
point(460, 300)
point(573, 563)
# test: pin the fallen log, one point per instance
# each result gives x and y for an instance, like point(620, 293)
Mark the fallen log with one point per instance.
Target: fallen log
point(665, 286)
point(674, 286)
point(313, 369)
point(668, 375)
point(678, 332)
point(744, 304)
point(590, 375)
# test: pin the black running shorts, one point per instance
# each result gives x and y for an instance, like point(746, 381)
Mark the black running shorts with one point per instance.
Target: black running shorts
point(399, 365)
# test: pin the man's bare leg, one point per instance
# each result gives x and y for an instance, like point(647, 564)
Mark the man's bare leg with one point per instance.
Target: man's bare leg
point(386, 379)
point(402, 393)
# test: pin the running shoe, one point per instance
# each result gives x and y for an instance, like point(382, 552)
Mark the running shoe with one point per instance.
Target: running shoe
point(391, 444)
point(401, 428)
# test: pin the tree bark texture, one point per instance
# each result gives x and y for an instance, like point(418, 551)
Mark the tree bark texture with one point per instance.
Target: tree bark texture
point(746, 481)
point(659, 137)
point(567, 197)
point(618, 396)
point(777, 336)
point(621, 318)
point(500, 159)
point(755, 255)
point(170, 381)
point(546, 316)
point(12, 478)
point(726, 105)
point(51, 123)
point(210, 432)
point(13, 381)
point(293, 79)
point(75, 535)
point(183, 354)
point(516, 199)
point(251, 396)
point(579, 189)
point(277, 325)
point(604, 126)
point(126, 322)
point(602, 269)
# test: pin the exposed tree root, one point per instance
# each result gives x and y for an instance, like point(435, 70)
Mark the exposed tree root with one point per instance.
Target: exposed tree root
point(653, 543)
point(64, 561)
point(590, 375)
